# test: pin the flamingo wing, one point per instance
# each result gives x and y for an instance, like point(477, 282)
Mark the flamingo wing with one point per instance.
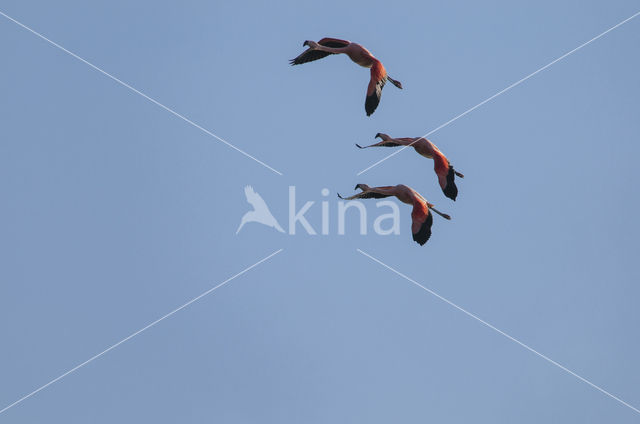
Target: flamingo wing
point(450, 189)
point(446, 175)
point(421, 221)
point(371, 193)
point(381, 144)
point(310, 55)
point(334, 42)
point(365, 195)
point(374, 90)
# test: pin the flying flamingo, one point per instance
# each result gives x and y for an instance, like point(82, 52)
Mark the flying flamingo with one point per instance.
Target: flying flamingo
point(359, 55)
point(260, 212)
point(444, 170)
point(421, 217)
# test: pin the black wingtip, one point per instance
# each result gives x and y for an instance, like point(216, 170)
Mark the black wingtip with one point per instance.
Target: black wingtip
point(451, 190)
point(371, 103)
point(423, 235)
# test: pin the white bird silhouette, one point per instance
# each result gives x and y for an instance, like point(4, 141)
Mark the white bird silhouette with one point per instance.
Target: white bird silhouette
point(260, 212)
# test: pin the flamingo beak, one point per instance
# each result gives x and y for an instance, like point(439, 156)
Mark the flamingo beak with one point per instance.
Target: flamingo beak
point(305, 43)
point(377, 135)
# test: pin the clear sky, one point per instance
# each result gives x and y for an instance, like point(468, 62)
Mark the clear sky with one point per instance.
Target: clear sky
point(114, 212)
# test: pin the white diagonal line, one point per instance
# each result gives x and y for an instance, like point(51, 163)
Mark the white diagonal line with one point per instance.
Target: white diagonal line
point(152, 100)
point(546, 358)
point(502, 91)
point(132, 335)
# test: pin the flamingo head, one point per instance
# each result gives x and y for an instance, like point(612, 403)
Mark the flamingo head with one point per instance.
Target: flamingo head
point(382, 136)
point(362, 187)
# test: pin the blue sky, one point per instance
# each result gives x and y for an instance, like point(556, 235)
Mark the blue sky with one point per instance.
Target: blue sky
point(115, 212)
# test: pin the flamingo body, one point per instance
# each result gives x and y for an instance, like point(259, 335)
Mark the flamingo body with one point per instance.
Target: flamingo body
point(358, 54)
point(421, 217)
point(444, 170)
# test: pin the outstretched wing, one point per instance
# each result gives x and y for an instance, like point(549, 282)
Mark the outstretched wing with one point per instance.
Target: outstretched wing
point(372, 195)
point(367, 194)
point(408, 139)
point(374, 90)
point(448, 183)
point(421, 227)
point(310, 55)
point(381, 144)
point(254, 199)
point(446, 174)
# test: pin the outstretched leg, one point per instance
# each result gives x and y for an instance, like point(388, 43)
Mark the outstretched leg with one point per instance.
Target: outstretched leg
point(444, 215)
point(394, 82)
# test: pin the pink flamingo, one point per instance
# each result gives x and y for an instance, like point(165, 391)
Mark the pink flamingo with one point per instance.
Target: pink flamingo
point(359, 55)
point(441, 165)
point(421, 218)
